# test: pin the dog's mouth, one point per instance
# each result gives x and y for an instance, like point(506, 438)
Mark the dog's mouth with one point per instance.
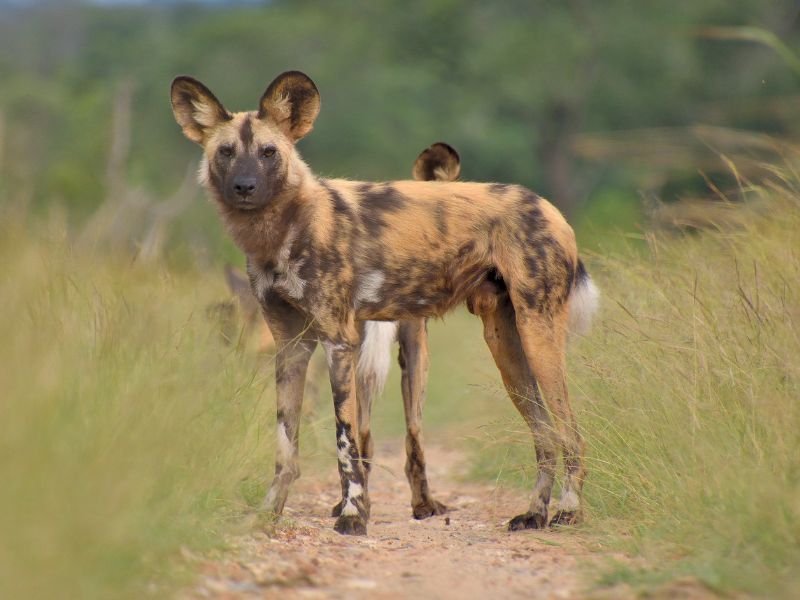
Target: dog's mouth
point(247, 205)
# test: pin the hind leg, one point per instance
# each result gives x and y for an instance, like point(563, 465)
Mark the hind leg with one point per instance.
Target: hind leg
point(543, 338)
point(364, 393)
point(413, 359)
point(500, 333)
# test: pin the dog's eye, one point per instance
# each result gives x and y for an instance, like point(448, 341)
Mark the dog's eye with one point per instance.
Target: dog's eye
point(268, 151)
point(226, 151)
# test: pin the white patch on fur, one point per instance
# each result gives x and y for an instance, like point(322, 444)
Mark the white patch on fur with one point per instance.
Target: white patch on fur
point(262, 282)
point(374, 356)
point(354, 492)
point(286, 248)
point(271, 498)
point(329, 348)
point(369, 287)
point(583, 303)
point(328, 354)
point(202, 172)
point(205, 114)
point(349, 509)
point(285, 446)
point(291, 282)
point(288, 271)
point(343, 453)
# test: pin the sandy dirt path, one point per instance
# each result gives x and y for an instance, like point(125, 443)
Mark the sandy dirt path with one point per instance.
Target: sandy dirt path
point(465, 554)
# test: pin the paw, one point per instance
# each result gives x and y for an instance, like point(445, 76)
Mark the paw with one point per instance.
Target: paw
point(566, 517)
point(427, 509)
point(350, 525)
point(528, 520)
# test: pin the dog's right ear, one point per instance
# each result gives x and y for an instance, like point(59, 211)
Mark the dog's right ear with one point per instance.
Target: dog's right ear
point(196, 109)
point(439, 162)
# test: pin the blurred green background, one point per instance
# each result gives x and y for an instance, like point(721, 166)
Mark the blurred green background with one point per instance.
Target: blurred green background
point(133, 439)
point(592, 104)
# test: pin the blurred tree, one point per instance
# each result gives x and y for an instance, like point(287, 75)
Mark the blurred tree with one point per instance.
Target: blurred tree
point(512, 85)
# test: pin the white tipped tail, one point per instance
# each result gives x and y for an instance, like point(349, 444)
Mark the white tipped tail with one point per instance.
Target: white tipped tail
point(583, 302)
point(374, 357)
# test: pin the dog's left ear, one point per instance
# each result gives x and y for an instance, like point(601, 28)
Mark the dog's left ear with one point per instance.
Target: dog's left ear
point(291, 102)
point(196, 109)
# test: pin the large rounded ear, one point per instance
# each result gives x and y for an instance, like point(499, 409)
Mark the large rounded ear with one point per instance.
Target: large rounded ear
point(196, 109)
point(439, 162)
point(291, 102)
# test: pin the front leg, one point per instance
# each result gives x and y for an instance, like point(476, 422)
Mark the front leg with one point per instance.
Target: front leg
point(294, 349)
point(342, 362)
point(365, 390)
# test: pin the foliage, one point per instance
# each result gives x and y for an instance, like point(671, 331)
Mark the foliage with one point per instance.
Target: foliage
point(510, 84)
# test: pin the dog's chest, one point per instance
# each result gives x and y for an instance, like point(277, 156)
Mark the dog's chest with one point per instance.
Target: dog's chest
point(282, 274)
point(267, 279)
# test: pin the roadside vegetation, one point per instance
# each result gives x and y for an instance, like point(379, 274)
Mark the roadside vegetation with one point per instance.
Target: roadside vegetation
point(687, 392)
point(128, 431)
point(132, 436)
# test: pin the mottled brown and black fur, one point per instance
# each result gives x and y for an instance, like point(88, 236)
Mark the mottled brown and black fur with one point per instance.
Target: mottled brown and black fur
point(325, 255)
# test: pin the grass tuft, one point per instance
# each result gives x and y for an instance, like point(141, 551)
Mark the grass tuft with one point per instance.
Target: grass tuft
point(128, 431)
point(687, 394)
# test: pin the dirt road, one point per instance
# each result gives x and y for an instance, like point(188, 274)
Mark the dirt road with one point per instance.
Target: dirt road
point(465, 554)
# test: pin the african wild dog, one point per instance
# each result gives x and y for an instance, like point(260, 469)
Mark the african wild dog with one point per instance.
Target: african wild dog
point(438, 162)
point(325, 255)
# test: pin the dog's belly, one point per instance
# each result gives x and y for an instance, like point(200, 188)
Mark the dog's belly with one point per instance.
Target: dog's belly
point(414, 292)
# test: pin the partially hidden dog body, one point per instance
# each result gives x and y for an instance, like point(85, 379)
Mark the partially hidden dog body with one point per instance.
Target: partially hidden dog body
point(326, 256)
point(439, 162)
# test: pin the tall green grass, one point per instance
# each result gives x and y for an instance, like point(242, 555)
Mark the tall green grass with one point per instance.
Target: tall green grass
point(128, 431)
point(688, 394)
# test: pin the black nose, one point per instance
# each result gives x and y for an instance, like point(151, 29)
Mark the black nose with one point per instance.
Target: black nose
point(245, 186)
